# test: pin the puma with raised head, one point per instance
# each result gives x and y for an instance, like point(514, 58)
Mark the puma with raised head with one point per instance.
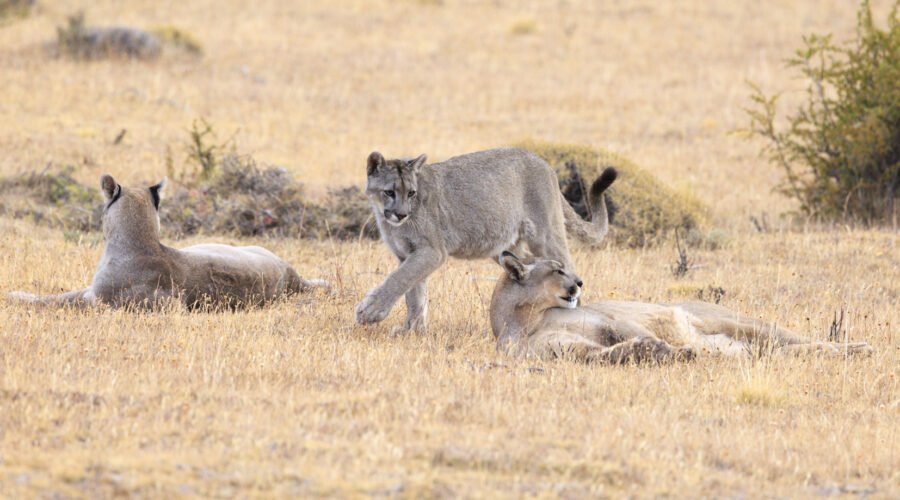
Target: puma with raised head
point(534, 312)
point(137, 269)
point(472, 206)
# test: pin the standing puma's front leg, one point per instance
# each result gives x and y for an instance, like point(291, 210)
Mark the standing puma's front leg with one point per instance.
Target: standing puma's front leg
point(417, 308)
point(376, 305)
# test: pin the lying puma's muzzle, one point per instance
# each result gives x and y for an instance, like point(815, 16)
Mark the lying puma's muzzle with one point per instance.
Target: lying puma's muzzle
point(571, 292)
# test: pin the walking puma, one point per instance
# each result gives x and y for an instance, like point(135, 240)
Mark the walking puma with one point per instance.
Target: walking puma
point(472, 206)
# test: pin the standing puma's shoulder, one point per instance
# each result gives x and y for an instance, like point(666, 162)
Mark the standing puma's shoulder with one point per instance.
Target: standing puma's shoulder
point(472, 206)
point(137, 269)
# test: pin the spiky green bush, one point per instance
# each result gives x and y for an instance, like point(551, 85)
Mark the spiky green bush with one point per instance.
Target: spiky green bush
point(841, 150)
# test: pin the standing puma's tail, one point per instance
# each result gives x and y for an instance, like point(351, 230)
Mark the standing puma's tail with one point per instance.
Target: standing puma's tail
point(594, 231)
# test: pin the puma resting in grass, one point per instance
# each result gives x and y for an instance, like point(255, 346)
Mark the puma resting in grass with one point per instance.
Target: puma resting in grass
point(534, 311)
point(136, 269)
point(472, 206)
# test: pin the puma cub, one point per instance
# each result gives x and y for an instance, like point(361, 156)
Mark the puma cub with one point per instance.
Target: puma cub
point(477, 205)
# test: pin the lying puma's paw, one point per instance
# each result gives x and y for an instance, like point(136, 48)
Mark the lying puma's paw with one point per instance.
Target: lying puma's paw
point(685, 353)
point(371, 309)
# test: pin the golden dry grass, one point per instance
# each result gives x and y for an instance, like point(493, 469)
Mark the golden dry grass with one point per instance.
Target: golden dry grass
point(298, 400)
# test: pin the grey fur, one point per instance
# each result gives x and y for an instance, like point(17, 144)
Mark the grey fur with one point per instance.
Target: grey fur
point(136, 269)
point(471, 206)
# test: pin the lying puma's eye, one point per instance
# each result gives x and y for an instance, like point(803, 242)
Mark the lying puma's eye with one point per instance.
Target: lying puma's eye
point(560, 272)
point(411, 194)
point(389, 193)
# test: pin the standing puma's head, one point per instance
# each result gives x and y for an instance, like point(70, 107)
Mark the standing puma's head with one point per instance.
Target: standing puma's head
point(391, 186)
point(131, 212)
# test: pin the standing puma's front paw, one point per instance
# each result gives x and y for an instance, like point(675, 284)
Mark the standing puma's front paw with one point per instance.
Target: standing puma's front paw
point(372, 309)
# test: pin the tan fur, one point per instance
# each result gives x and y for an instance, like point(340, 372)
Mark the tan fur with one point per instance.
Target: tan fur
point(471, 206)
point(533, 312)
point(136, 269)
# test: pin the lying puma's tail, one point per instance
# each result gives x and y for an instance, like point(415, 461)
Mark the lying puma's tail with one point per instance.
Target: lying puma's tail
point(594, 231)
point(295, 284)
point(78, 298)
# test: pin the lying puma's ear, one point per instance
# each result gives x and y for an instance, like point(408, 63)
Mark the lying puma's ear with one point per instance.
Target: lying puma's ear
point(374, 163)
point(518, 270)
point(155, 192)
point(110, 188)
point(415, 165)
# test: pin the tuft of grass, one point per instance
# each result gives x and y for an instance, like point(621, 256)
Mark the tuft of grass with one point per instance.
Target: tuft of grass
point(759, 392)
point(523, 26)
point(643, 210)
point(178, 37)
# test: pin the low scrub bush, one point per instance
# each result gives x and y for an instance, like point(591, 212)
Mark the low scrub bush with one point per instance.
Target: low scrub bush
point(841, 150)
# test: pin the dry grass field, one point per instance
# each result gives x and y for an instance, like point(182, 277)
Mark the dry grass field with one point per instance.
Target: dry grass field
point(297, 400)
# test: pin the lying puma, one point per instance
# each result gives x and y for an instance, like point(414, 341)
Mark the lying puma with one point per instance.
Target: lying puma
point(471, 206)
point(136, 269)
point(533, 311)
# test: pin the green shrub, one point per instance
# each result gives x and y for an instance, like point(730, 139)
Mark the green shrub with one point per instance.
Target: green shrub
point(643, 211)
point(841, 150)
point(15, 8)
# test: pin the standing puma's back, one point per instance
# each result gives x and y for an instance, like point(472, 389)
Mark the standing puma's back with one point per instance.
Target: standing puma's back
point(471, 206)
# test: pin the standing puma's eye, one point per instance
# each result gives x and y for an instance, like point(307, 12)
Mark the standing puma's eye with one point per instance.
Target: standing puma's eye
point(411, 194)
point(389, 193)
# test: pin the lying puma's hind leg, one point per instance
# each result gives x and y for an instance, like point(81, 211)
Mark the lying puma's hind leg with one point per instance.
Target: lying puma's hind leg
point(714, 319)
point(826, 349)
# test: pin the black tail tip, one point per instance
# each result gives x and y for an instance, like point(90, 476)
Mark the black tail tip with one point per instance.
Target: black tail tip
point(606, 178)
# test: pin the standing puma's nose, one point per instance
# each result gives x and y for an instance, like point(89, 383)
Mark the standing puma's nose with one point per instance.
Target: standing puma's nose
point(400, 216)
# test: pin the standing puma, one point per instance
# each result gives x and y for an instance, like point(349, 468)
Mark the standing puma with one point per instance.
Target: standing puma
point(136, 269)
point(534, 311)
point(471, 206)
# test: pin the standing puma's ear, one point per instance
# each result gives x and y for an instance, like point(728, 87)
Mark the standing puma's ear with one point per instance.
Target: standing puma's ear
point(110, 188)
point(155, 191)
point(415, 165)
point(518, 270)
point(374, 163)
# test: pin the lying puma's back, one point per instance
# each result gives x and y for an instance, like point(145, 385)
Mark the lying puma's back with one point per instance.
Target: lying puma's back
point(248, 274)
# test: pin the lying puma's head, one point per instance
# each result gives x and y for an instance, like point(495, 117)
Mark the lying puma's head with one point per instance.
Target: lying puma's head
point(129, 211)
point(391, 186)
point(542, 284)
